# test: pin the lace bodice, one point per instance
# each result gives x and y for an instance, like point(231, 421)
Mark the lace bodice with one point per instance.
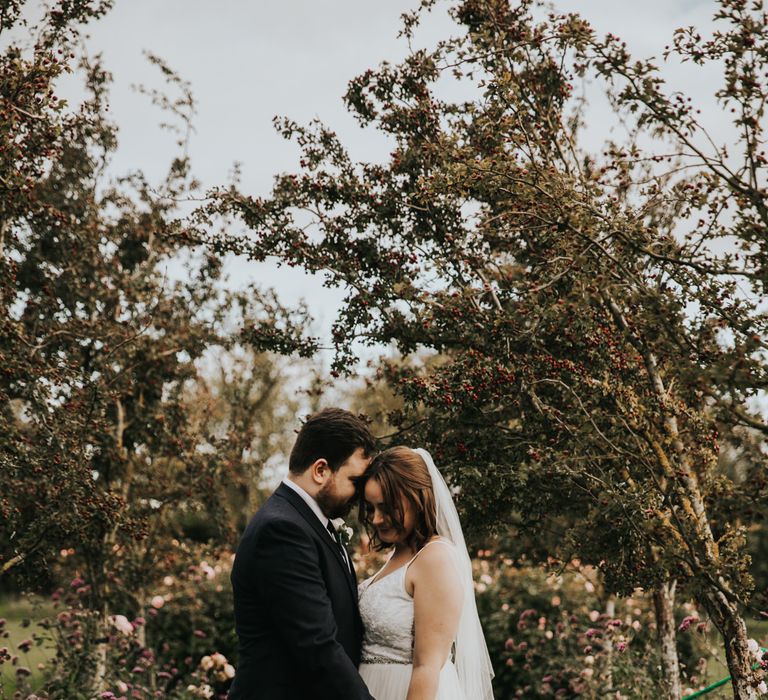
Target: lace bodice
point(387, 613)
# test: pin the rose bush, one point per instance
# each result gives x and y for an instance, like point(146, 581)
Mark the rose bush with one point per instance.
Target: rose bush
point(557, 634)
point(181, 645)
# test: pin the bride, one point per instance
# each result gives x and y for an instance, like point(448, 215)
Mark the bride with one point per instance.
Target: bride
point(422, 639)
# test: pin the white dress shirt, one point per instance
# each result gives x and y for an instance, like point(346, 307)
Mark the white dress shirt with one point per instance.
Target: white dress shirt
point(312, 503)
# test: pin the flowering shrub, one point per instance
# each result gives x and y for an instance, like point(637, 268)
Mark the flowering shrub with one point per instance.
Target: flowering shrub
point(190, 621)
point(182, 645)
point(557, 636)
point(549, 635)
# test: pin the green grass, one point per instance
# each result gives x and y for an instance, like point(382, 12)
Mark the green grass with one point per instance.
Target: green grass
point(759, 631)
point(21, 615)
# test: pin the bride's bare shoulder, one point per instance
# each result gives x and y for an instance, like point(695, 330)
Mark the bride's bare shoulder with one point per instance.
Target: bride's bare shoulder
point(436, 555)
point(435, 571)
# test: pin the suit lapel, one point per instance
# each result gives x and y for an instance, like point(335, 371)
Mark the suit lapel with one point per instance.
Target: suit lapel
point(304, 510)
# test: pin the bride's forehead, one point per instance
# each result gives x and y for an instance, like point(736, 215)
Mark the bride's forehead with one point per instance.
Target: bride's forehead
point(373, 491)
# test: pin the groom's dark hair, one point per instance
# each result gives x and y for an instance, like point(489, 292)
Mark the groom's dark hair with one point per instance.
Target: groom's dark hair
point(333, 434)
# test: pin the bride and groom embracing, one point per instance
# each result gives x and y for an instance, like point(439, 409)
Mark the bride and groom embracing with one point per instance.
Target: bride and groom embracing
point(307, 630)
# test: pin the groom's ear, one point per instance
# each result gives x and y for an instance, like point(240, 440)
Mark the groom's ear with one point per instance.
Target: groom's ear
point(319, 471)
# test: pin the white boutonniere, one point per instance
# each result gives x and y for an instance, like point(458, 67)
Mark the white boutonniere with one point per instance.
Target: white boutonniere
point(344, 531)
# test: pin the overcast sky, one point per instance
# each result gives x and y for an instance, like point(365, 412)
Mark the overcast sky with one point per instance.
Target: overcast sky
point(249, 60)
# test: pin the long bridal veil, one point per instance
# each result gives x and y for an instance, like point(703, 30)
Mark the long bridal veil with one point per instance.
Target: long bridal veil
point(473, 665)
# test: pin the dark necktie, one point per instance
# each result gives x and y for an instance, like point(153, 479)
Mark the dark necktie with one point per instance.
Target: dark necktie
point(337, 540)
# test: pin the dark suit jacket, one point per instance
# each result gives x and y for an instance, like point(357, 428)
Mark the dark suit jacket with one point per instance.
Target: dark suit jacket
point(296, 614)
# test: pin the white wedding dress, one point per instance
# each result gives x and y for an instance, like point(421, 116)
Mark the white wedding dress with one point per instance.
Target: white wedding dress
point(387, 654)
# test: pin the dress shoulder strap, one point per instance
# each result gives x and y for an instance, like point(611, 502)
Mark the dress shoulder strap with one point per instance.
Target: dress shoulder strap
point(440, 540)
point(375, 577)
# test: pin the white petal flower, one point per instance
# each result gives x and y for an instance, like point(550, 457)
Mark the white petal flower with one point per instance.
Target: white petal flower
point(122, 623)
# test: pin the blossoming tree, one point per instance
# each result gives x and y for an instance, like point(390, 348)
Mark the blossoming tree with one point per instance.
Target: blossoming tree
point(111, 435)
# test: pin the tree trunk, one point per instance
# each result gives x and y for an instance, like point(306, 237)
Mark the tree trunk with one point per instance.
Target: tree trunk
point(664, 605)
point(733, 629)
point(99, 684)
point(721, 609)
point(102, 649)
point(610, 611)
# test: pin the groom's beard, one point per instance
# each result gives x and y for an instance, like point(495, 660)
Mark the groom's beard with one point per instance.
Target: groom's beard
point(331, 504)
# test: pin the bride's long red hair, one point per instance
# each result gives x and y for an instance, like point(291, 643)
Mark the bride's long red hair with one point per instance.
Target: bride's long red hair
point(402, 474)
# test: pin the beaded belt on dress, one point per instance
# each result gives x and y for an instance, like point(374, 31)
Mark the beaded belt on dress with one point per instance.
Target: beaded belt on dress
point(381, 660)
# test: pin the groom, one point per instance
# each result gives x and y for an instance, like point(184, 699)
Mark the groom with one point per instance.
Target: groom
point(294, 586)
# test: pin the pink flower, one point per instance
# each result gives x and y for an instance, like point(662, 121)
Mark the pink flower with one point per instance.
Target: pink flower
point(686, 623)
point(122, 623)
point(621, 646)
point(157, 602)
